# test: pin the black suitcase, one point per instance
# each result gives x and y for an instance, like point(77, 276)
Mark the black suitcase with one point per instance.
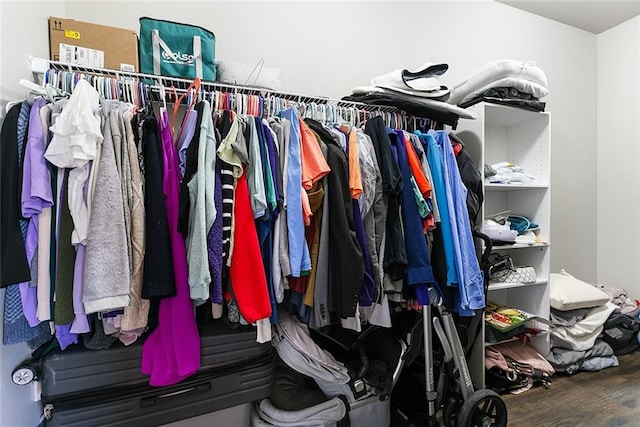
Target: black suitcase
point(107, 388)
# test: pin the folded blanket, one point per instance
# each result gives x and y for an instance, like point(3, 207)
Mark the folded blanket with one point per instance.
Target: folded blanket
point(570, 361)
point(567, 318)
point(494, 72)
point(536, 90)
point(584, 333)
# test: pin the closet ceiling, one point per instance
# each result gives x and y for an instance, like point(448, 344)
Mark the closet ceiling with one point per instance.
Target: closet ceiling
point(592, 16)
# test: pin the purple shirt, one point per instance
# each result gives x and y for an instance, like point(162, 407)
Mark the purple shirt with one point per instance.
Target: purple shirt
point(36, 183)
point(184, 139)
point(36, 194)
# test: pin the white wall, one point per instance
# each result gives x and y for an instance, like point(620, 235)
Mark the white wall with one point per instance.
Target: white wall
point(327, 48)
point(23, 31)
point(618, 203)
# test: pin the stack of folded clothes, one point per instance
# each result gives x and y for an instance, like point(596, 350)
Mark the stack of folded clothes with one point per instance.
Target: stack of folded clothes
point(417, 92)
point(507, 82)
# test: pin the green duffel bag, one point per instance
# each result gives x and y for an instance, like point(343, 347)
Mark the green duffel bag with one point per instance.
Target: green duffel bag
point(177, 50)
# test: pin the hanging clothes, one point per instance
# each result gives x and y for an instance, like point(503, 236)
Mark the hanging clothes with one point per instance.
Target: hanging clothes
point(298, 251)
point(247, 277)
point(106, 289)
point(201, 207)
point(37, 198)
point(395, 256)
point(259, 213)
point(471, 289)
point(419, 272)
point(434, 157)
point(172, 351)
point(15, 268)
point(16, 327)
point(346, 263)
point(135, 315)
point(158, 270)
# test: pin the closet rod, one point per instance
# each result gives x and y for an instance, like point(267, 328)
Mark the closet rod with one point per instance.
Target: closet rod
point(181, 83)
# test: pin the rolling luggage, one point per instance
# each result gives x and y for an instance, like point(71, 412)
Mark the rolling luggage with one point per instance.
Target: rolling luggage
point(107, 388)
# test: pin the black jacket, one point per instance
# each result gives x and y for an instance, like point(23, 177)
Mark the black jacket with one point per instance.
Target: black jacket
point(158, 274)
point(346, 262)
point(13, 267)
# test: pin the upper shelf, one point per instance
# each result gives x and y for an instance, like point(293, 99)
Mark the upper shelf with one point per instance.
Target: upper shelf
point(519, 246)
point(511, 187)
point(502, 115)
point(500, 286)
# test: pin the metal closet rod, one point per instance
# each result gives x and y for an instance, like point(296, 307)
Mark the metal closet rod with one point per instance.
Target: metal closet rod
point(180, 83)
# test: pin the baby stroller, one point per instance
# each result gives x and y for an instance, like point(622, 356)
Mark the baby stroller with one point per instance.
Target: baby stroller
point(331, 378)
point(443, 371)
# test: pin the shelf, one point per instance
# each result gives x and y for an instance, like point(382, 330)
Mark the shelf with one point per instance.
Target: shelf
point(514, 187)
point(519, 246)
point(501, 286)
point(522, 137)
point(540, 334)
point(506, 116)
point(489, 344)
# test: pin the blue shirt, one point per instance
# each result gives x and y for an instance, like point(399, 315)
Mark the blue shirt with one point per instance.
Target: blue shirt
point(466, 261)
point(434, 158)
point(419, 271)
point(298, 251)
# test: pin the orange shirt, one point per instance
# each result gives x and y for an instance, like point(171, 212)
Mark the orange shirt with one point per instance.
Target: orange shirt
point(355, 180)
point(314, 165)
point(416, 170)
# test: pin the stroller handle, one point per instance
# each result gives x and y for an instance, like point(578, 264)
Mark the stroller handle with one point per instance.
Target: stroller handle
point(488, 246)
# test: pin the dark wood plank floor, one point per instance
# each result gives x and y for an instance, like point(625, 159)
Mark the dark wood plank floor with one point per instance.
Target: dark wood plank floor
point(608, 398)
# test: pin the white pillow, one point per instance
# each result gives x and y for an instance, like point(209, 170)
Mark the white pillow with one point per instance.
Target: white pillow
point(568, 293)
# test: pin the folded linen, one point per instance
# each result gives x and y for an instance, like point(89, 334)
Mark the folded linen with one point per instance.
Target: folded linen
point(420, 82)
point(495, 71)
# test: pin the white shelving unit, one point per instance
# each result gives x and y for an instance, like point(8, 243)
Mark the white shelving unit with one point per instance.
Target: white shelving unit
point(503, 133)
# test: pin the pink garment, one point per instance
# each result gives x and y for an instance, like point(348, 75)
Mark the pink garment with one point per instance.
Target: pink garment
point(172, 351)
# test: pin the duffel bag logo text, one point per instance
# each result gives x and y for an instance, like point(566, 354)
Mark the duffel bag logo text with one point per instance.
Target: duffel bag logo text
point(178, 58)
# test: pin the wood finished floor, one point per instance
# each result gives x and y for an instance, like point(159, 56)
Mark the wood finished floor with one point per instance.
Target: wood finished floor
point(608, 398)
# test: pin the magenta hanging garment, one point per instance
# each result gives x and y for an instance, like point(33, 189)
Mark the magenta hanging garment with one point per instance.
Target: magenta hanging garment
point(172, 351)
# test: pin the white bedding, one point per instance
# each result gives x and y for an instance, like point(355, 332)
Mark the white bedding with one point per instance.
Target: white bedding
point(494, 71)
point(584, 333)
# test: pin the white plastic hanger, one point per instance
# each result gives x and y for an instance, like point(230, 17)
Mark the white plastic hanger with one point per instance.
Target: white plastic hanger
point(33, 87)
point(10, 105)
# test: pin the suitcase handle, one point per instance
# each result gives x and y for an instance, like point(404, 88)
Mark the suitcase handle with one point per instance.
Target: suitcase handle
point(150, 401)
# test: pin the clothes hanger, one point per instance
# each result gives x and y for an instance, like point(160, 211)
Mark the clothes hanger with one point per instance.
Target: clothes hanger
point(195, 86)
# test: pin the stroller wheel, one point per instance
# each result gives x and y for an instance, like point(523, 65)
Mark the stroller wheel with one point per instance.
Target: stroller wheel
point(484, 408)
point(451, 410)
point(23, 375)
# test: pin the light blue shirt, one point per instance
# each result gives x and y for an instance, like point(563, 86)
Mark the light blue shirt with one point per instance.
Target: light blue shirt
point(434, 158)
point(298, 251)
point(466, 261)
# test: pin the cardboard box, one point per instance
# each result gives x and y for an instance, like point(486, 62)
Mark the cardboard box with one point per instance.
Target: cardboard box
point(92, 45)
